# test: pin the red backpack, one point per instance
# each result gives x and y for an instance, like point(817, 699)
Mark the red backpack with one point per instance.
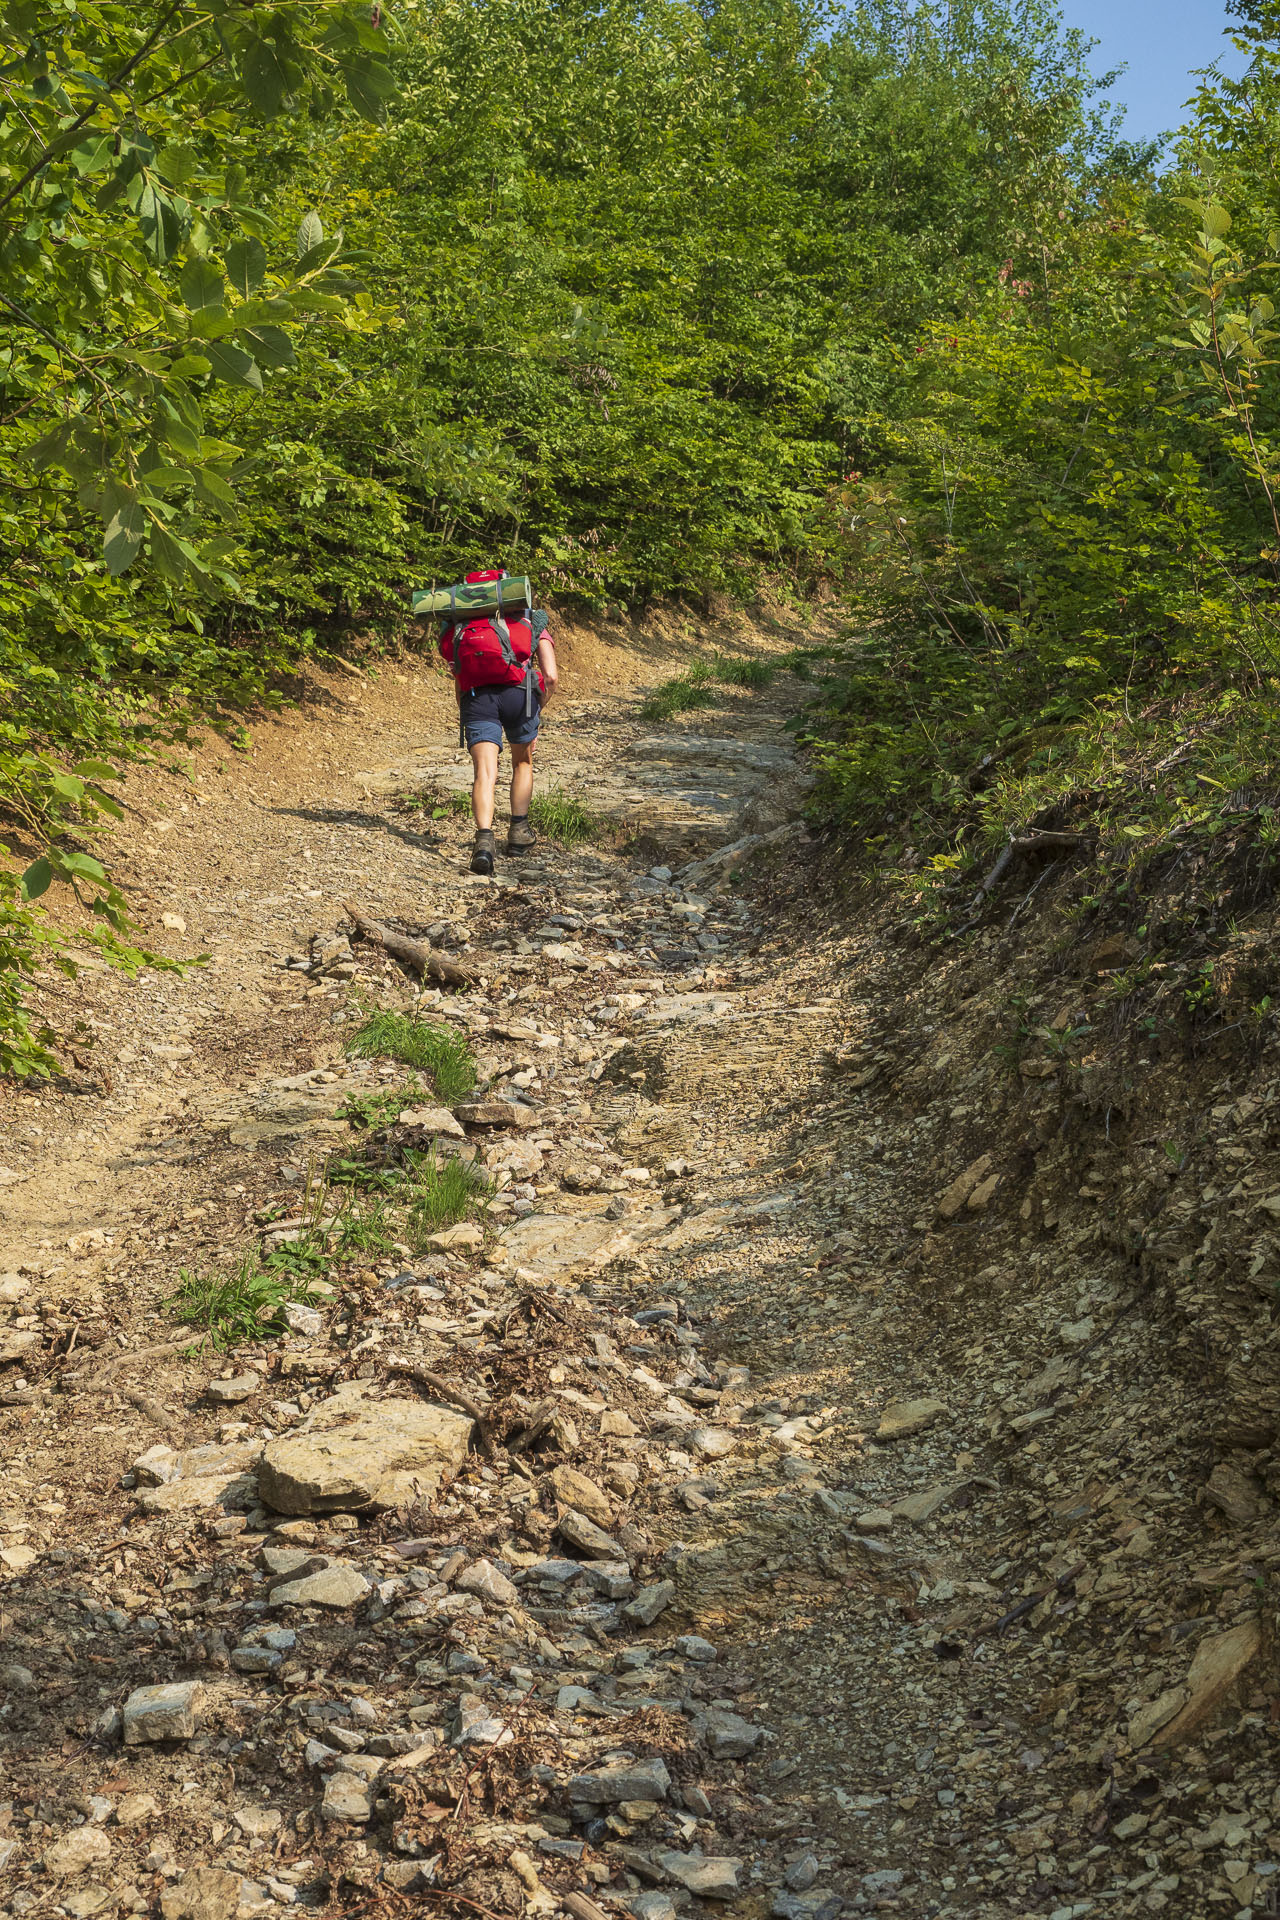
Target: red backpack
point(490, 651)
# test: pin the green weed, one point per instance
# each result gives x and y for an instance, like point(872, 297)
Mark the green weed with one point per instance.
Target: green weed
point(742, 673)
point(441, 1053)
point(443, 1196)
point(682, 695)
point(696, 686)
point(245, 1305)
point(562, 818)
point(368, 1230)
point(376, 1110)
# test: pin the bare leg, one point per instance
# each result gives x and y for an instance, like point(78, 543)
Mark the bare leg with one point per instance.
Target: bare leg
point(484, 758)
point(521, 781)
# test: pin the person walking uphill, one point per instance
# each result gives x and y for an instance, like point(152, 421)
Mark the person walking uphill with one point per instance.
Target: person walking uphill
point(503, 662)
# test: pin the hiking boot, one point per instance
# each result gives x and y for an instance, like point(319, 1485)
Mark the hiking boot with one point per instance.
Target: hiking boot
point(520, 835)
point(484, 852)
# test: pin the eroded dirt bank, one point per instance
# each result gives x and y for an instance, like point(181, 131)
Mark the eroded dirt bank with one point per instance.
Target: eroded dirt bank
point(871, 1503)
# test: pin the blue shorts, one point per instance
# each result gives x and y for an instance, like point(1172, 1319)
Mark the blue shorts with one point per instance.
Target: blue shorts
point(489, 712)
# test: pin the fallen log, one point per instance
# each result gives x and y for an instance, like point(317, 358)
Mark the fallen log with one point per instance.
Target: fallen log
point(418, 955)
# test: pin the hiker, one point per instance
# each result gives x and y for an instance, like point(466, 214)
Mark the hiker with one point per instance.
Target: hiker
point(504, 672)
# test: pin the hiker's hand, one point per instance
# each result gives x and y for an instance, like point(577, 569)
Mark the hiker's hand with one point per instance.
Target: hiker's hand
point(548, 687)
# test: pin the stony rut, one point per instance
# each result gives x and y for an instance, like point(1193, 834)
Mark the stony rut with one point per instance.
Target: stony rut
point(629, 1549)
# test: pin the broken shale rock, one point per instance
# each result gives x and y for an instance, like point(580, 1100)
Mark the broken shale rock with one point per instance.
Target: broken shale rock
point(354, 1451)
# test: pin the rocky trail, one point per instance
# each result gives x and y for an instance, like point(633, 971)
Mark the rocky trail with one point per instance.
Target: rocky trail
point(776, 1496)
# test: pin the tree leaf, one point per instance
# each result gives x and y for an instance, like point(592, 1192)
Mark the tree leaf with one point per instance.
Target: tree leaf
point(37, 879)
point(122, 533)
point(213, 491)
point(246, 263)
point(369, 87)
point(201, 285)
point(168, 555)
point(96, 770)
point(92, 155)
point(310, 233)
point(162, 221)
point(233, 364)
point(267, 76)
point(271, 346)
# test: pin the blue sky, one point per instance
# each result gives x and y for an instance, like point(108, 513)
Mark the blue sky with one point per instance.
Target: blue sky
point(1161, 42)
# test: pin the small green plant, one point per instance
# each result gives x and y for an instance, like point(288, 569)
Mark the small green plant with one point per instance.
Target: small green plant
point(681, 695)
point(742, 673)
point(444, 1195)
point(364, 1230)
point(245, 1305)
point(562, 818)
point(696, 686)
point(375, 1110)
point(441, 1053)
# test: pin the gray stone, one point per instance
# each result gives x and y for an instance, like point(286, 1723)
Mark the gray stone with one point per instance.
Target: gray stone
point(728, 1735)
point(654, 1905)
point(820, 1904)
point(81, 1848)
point(906, 1417)
point(257, 1822)
point(884, 1880)
point(347, 1797)
point(433, 1120)
point(650, 1602)
point(588, 1537)
point(557, 1570)
point(577, 1700)
point(353, 1451)
point(203, 1893)
point(497, 1113)
point(710, 1876)
point(211, 1475)
point(801, 1874)
point(17, 1679)
point(167, 1712)
point(577, 1490)
point(478, 1726)
point(624, 1780)
point(228, 1393)
point(338, 1585)
point(86, 1901)
point(308, 1321)
point(255, 1659)
point(610, 1578)
point(691, 1646)
point(483, 1578)
point(135, 1809)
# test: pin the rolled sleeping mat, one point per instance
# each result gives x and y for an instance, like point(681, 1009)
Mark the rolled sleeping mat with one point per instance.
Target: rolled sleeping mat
point(466, 601)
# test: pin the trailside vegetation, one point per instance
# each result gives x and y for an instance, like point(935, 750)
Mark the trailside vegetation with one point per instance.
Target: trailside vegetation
point(309, 302)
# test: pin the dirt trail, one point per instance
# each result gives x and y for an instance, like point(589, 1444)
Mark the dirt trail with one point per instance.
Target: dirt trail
point(831, 1539)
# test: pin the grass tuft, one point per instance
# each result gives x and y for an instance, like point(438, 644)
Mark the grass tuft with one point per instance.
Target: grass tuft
point(442, 1053)
point(562, 818)
point(443, 1196)
point(245, 1305)
point(742, 673)
point(696, 687)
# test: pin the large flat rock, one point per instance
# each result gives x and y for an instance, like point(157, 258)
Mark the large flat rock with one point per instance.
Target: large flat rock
point(552, 1242)
point(354, 1451)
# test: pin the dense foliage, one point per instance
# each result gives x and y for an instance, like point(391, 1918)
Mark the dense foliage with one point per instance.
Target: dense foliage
point(1068, 511)
point(309, 301)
